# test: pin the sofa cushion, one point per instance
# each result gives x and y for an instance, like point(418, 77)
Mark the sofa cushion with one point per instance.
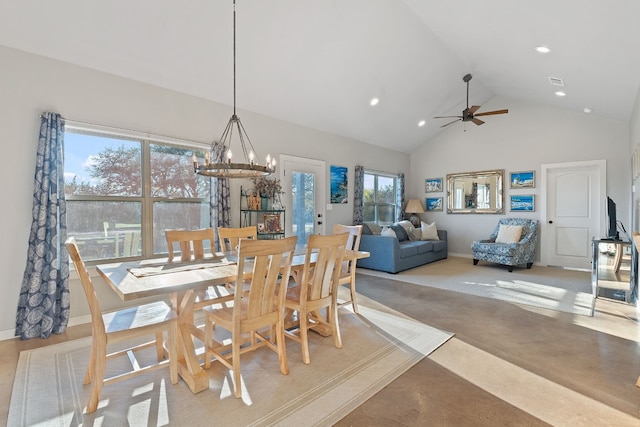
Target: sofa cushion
point(424, 247)
point(408, 249)
point(400, 233)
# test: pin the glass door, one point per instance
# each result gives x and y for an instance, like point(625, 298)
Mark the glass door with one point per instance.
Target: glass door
point(303, 183)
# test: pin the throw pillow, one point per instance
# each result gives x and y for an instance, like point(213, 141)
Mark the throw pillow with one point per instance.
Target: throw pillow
point(409, 229)
point(509, 233)
point(415, 233)
point(429, 231)
point(386, 231)
point(366, 229)
point(375, 228)
point(400, 233)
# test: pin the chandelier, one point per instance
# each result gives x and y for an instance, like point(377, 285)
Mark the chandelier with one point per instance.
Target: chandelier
point(216, 166)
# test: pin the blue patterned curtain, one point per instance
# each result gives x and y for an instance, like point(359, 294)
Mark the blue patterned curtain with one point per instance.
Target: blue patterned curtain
point(43, 306)
point(400, 197)
point(220, 194)
point(358, 194)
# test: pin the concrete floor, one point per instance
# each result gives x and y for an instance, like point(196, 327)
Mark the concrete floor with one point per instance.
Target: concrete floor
point(507, 365)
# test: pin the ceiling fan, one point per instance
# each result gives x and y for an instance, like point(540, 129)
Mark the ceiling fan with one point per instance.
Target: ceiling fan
point(469, 114)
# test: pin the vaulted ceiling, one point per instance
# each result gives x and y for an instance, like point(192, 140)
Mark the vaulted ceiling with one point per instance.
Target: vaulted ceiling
point(318, 63)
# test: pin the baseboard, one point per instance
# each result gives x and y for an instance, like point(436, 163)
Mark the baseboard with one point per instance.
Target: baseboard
point(74, 321)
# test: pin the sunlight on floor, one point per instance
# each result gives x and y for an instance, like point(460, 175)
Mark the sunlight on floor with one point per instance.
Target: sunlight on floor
point(536, 395)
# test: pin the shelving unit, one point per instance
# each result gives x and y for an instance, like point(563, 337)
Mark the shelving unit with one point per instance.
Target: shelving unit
point(270, 222)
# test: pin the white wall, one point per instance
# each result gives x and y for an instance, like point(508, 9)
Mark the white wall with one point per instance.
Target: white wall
point(524, 139)
point(634, 141)
point(31, 85)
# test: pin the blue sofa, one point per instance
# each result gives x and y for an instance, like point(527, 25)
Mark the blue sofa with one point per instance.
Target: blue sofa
point(393, 255)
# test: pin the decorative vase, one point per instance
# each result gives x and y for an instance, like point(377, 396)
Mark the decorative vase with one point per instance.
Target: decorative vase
point(264, 202)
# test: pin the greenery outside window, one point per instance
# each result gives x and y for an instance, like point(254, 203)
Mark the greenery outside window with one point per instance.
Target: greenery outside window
point(379, 198)
point(124, 191)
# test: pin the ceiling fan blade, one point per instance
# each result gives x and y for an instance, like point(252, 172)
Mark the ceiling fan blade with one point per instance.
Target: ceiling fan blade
point(491, 113)
point(477, 121)
point(473, 109)
point(450, 123)
point(447, 117)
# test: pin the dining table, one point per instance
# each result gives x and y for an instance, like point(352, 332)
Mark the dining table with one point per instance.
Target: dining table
point(181, 282)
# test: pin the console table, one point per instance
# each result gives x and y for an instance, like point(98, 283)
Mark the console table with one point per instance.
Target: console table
point(608, 279)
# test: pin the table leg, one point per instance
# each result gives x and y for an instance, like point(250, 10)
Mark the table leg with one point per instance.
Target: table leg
point(189, 367)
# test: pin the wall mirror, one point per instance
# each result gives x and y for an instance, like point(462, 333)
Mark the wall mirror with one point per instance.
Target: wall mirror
point(476, 192)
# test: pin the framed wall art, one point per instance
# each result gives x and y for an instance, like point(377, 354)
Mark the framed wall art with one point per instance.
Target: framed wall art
point(523, 203)
point(339, 193)
point(432, 185)
point(522, 179)
point(434, 204)
point(271, 223)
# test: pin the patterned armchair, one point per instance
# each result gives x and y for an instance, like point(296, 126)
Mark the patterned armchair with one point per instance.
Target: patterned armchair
point(509, 254)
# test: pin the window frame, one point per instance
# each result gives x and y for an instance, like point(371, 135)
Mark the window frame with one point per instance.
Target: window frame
point(376, 204)
point(146, 199)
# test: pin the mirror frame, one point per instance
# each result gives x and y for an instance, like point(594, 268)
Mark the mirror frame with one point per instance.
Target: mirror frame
point(499, 191)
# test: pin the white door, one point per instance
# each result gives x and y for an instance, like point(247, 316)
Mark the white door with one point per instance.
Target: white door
point(303, 183)
point(573, 202)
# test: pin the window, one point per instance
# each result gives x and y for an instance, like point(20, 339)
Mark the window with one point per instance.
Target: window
point(379, 198)
point(123, 192)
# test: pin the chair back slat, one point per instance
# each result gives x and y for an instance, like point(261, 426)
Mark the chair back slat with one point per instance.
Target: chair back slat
point(97, 323)
point(229, 237)
point(190, 242)
point(271, 260)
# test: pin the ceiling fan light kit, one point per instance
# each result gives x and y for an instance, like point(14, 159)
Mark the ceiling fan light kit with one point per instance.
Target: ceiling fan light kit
point(469, 114)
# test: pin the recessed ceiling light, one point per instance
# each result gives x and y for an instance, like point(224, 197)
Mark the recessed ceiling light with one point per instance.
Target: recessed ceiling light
point(560, 93)
point(422, 123)
point(374, 101)
point(543, 49)
point(587, 110)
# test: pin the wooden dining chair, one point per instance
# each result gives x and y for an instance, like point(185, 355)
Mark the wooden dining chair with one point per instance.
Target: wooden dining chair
point(348, 273)
point(229, 237)
point(257, 316)
point(317, 290)
point(153, 319)
point(192, 246)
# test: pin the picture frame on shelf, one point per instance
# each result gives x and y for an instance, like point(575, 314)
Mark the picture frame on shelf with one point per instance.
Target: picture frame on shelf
point(272, 223)
point(434, 204)
point(260, 227)
point(526, 179)
point(523, 203)
point(433, 185)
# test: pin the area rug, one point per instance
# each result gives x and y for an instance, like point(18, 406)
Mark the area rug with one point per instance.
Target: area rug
point(552, 288)
point(379, 345)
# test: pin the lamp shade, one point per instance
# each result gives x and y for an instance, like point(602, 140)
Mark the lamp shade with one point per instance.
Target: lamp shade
point(414, 206)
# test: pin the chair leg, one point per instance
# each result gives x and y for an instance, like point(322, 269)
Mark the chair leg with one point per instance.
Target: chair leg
point(160, 346)
point(235, 360)
point(304, 335)
point(335, 327)
point(98, 380)
point(173, 352)
point(529, 264)
point(511, 269)
point(89, 375)
point(475, 261)
point(282, 348)
point(353, 292)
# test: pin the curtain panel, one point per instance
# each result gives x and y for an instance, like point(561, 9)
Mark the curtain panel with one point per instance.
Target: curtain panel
point(358, 195)
point(44, 302)
point(220, 195)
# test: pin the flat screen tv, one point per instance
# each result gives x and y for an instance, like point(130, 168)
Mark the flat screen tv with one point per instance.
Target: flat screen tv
point(612, 233)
